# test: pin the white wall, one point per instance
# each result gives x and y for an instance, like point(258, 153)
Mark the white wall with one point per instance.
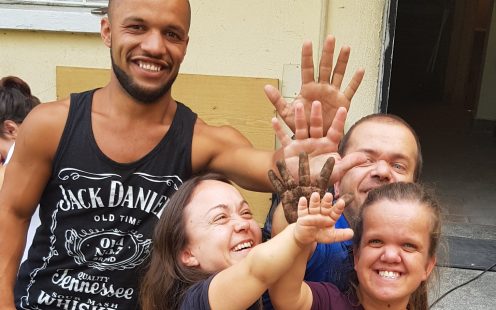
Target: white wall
point(33, 56)
point(487, 100)
point(255, 38)
point(359, 24)
point(249, 38)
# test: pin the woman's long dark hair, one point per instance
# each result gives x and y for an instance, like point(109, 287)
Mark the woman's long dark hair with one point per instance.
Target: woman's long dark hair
point(167, 279)
point(413, 192)
point(16, 99)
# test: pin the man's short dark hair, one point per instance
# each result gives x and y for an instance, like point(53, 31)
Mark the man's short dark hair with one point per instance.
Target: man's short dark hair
point(385, 118)
point(111, 3)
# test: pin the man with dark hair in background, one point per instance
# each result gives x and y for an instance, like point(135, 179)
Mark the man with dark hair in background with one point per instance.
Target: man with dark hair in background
point(393, 153)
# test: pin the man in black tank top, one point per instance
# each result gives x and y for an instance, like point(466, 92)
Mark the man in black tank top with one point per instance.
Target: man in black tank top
point(104, 163)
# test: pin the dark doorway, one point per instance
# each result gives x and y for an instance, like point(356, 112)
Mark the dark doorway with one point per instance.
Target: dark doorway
point(437, 65)
point(439, 52)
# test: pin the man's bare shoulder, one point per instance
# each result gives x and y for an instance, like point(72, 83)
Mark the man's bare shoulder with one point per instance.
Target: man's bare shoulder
point(51, 115)
point(44, 125)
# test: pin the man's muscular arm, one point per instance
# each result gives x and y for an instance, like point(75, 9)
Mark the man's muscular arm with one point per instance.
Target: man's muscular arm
point(25, 178)
point(225, 150)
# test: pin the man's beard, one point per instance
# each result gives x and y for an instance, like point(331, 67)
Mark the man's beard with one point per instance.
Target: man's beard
point(139, 93)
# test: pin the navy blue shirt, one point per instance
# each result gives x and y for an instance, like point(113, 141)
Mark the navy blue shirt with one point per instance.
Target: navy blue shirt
point(197, 297)
point(332, 262)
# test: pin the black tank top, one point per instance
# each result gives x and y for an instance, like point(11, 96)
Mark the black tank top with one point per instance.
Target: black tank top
point(98, 217)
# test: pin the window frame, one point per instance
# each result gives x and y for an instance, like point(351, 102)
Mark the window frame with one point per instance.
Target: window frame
point(48, 17)
point(63, 3)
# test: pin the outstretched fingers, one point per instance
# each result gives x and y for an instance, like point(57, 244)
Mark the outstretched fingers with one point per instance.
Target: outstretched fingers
point(340, 69)
point(280, 134)
point(355, 82)
point(314, 205)
point(301, 126)
point(336, 212)
point(325, 174)
point(348, 162)
point(303, 208)
point(341, 203)
point(309, 213)
point(336, 131)
point(326, 59)
point(326, 204)
point(316, 120)
point(276, 182)
point(276, 99)
point(287, 178)
point(304, 170)
point(307, 70)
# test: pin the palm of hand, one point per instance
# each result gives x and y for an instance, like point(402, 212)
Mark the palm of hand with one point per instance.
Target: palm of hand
point(317, 218)
point(330, 97)
point(313, 147)
point(290, 191)
point(330, 235)
point(326, 88)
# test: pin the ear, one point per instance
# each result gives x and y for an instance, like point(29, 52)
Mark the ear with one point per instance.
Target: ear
point(188, 259)
point(428, 269)
point(105, 32)
point(10, 129)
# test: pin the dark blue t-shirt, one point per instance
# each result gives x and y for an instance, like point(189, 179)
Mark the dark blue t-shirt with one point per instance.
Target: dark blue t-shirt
point(197, 297)
point(332, 262)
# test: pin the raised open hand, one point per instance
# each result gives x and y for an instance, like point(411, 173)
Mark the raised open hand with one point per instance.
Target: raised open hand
point(326, 89)
point(290, 191)
point(309, 137)
point(317, 217)
point(322, 151)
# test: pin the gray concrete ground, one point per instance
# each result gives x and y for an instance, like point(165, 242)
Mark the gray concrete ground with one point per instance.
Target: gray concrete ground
point(461, 167)
point(477, 295)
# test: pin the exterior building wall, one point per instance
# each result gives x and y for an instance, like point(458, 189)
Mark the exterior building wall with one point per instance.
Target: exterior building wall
point(255, 38)
point(487, 101)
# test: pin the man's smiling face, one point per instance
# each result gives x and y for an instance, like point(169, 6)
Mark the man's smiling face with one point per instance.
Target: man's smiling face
point(148, 41)
point(391, 151)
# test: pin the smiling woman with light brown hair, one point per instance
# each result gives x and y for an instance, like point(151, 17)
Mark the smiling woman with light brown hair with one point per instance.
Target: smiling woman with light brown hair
point(207, 252)
point(395, 245)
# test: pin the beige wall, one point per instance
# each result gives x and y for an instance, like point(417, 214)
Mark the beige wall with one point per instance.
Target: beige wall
point(33, 56)
point(487, 100)
point(240, 38)
point(359, 24)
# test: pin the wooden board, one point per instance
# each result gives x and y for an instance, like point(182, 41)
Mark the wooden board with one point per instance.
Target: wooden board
point(219, 100)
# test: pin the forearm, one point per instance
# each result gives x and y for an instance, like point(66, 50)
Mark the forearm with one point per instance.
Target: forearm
point(290, 292)
point(12, 241)
point(266, 263)
point(251, 171)
point(272, 259)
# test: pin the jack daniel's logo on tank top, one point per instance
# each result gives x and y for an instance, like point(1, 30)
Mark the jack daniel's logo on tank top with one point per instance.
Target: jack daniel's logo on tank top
point(98, 218)
point(99, 248)
point(112, 249)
